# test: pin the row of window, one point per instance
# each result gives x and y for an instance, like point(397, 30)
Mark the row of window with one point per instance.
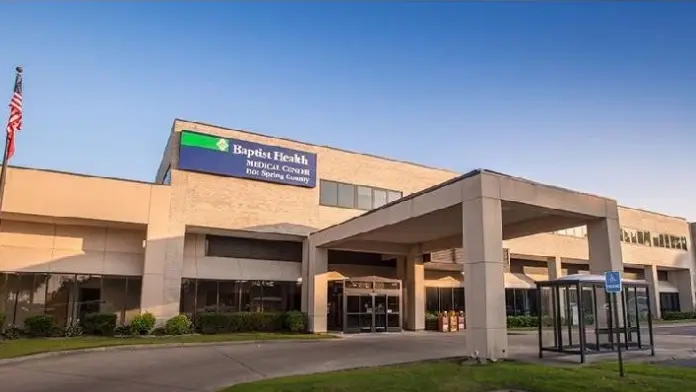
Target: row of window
point(638, 237)
point(67, 297)
point(203, 295)
point(361, 197)
point(642, 237)
point(518, 302)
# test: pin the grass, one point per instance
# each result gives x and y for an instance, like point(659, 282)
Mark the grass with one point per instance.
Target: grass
point(22, 347)
point(451, 376)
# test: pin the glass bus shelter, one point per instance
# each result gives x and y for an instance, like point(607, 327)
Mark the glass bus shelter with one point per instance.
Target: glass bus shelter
point(365, 305)
point(575, 318)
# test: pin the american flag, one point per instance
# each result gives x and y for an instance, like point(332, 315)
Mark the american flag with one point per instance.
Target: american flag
point(14, 123)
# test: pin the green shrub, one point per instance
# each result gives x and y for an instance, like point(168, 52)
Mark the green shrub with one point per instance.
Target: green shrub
point(99, 324)
point(295, 322)
point(2, 321)
point(143, 323)
point(522, 321)
point(178, 325)
point(124, 330)
point(211, 323)
point(72, 331)
point(589, 319)
point(159, 331)
point(679, 315)
point(40, 325)
point(13, 332)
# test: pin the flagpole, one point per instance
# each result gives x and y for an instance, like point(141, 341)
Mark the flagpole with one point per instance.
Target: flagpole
point(3, 172)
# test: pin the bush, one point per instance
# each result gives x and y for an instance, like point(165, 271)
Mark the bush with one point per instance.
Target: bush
point(124, 330)
point(72, 331)
point(13, 332)
point(2, 321)
point(99, 324)
point(159, 331)
point(211, 323)
point(143, 323)
point(40, 325)
point(295, 322)
point(178, 325)
point(679, 315)
point(522, 321)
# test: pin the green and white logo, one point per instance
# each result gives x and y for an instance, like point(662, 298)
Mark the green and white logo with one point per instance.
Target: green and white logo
point(223, 145)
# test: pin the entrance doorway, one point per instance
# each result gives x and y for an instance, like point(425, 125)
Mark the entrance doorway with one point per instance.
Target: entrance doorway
point(365, 305)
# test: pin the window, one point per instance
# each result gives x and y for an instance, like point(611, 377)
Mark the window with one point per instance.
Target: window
point(669, 302)
point(361, 197)
point(443, 299)
point(68, 297)
point(521, 302)
point(643, 237)
point(206, 295)
point(380, 198)
point(579, 232)
point(364, 198)
point(346, 196)
point(662, 276)
point(251, 248)
point(328, 193)
point(393, 196)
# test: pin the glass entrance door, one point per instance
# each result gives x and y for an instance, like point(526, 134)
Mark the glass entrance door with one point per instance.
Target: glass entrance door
point(380, 321)
point(372, 313)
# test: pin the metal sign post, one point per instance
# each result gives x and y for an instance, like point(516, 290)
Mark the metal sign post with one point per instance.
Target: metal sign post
point(612, 285)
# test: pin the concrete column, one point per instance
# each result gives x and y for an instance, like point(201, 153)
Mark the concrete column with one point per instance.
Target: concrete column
point(555, 272)
point(401, 275)
point(164, 259)
point(414, 288)
point(314, 287)
point(654, 285)
point(484, 269)
point(604, 241)
point(684, 281)
point(555, 268)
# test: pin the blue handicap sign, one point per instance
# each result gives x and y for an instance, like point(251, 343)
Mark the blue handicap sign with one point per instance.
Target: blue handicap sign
point(612, 282)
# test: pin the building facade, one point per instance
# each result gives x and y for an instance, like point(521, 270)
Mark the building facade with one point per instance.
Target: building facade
point(228, 223)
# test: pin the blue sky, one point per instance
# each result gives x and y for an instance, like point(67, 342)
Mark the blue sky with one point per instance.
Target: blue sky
point(596, 97)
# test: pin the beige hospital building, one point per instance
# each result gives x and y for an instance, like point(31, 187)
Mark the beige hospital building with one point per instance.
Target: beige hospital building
point(239, 221)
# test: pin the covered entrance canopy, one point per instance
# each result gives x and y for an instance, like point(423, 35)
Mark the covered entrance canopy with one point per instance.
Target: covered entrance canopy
point(476, 212)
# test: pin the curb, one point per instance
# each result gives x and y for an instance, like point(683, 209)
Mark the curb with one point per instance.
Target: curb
point(672, 325)
point(136, 347)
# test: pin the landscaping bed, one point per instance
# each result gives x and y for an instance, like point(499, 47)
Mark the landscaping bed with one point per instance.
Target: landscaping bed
point(40, 333)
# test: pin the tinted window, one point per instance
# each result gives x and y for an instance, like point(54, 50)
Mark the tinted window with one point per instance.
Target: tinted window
point(380, 198)
point(249, 248)
point(393, 196)
point(328, 193)
point(364, 198)
point(346, 195)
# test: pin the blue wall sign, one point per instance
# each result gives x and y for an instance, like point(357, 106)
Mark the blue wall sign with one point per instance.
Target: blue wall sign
point(240, 158)
point(612, 282)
